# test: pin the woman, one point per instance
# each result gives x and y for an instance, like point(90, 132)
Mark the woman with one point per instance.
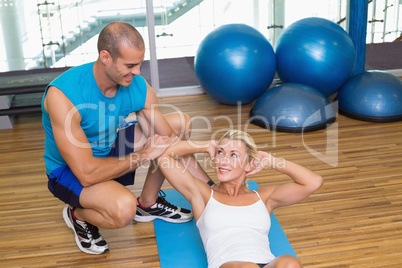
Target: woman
point(233, 221)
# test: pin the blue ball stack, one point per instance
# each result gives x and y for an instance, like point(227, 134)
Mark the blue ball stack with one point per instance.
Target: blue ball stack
point(314, 58)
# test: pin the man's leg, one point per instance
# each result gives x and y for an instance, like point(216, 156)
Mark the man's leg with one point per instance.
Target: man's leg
point(110, 204)
point(107, 205)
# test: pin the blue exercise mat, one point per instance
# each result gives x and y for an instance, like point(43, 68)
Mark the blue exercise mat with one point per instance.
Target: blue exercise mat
point(180, 245)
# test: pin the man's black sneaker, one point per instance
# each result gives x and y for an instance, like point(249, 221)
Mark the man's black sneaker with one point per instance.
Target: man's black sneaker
point(87, 236)
point(163, 210)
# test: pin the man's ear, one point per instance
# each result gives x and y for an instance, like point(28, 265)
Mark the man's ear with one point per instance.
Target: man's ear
point(105, 57)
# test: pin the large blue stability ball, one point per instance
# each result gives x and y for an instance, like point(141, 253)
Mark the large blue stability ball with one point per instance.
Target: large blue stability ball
point(294, 108)
point(235, 63)
point(316, 52)
point(372, 96)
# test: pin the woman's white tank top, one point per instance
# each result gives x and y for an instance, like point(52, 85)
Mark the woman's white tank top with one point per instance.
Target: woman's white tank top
point(235, 233)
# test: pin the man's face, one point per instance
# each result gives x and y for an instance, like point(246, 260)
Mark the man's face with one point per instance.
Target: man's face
point(126, 66)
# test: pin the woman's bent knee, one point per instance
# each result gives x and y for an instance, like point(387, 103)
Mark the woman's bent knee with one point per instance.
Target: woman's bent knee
point(181, 124)
point(286, 261)
point(239, 264)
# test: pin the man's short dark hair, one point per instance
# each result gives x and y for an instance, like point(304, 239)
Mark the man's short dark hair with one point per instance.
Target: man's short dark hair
point(117, 34)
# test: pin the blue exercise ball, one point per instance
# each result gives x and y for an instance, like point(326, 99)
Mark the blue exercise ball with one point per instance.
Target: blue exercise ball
point(292, 107)
point(235, 63)
point(372, 96)
point(316, 52)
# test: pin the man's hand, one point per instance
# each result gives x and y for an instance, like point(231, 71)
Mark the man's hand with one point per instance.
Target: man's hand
point(156, 146)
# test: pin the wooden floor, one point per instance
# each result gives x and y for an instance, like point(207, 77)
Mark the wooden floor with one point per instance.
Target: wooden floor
point(354, 220)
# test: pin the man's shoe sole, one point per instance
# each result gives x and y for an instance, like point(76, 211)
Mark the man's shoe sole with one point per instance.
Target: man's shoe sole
point(70, 225)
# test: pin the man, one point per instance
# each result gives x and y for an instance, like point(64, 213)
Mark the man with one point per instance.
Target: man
point(89, 162)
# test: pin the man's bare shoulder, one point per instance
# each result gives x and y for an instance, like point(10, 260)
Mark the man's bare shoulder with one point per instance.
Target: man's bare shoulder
point(55, 97)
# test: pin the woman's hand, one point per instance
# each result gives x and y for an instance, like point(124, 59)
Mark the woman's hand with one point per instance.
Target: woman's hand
point(261, 160)
point(212, 148)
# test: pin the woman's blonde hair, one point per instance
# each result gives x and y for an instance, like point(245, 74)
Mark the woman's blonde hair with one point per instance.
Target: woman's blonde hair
point(244, 137)
point(248, 141)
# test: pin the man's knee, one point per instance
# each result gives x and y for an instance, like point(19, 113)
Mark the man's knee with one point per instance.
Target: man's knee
point(124, 210)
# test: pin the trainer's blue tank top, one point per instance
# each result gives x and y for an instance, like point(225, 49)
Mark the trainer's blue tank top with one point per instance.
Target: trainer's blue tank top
point(101, 115)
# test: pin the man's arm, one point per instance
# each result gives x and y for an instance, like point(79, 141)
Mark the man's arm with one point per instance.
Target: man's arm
point(150, 118)
point(76, 150)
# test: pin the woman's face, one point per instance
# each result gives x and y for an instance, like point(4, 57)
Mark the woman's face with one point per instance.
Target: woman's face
point(231, 160)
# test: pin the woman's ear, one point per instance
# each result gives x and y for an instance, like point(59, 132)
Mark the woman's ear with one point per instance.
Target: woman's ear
point(250, 166)
point(253, 167)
